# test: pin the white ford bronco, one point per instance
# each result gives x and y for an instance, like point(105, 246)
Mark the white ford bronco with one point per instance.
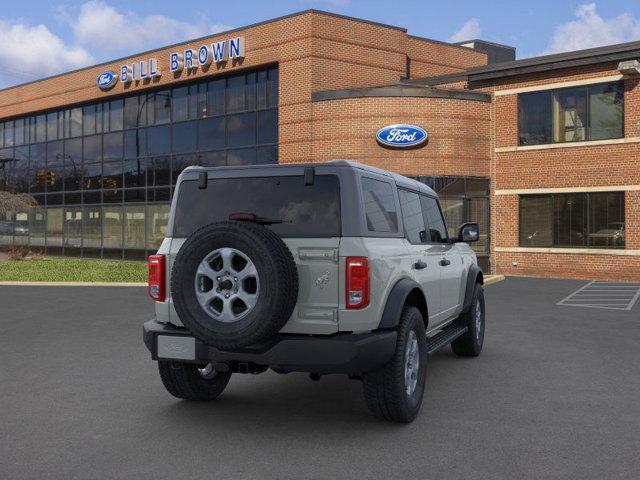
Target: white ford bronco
point(320, 268)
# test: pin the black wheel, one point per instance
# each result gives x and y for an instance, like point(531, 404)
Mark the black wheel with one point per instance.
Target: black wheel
point(192, 382)
point(470, 344)
point(395, 392)
point(234, 284)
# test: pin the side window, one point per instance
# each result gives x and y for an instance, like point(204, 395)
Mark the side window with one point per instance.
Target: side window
point(433, 219)
point(379, 206)
point(412, 217)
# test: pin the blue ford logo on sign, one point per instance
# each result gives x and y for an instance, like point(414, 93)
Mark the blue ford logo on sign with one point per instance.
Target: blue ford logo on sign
point(106, 80)
point(401, 136)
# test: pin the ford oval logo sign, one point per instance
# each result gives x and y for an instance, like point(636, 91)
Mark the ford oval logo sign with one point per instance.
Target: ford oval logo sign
point(401, 136)
point(106, 80)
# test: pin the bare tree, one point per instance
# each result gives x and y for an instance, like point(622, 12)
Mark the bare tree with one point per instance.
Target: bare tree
point(16, 202)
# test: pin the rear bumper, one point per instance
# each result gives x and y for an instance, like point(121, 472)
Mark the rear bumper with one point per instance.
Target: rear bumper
point(340, 353)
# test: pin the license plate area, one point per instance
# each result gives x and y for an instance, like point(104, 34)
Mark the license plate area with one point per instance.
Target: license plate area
point(176, 347)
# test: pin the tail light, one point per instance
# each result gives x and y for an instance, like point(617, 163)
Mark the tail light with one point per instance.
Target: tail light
point(357, 273)
point(156, 277)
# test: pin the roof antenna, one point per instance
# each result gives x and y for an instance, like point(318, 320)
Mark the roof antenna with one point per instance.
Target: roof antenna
point(309, 176)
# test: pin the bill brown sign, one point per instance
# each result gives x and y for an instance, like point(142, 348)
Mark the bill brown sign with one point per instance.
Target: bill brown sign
point(189, 59)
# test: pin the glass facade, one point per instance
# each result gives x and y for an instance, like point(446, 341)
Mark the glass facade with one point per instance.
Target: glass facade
point(103, 173)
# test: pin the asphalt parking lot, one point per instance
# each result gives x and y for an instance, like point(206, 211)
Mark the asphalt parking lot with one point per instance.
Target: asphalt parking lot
point(555, 394)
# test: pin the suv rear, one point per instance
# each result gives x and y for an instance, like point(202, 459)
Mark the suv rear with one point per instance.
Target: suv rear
point(319, 268)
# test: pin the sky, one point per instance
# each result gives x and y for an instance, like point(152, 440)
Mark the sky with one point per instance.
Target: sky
point(39, 38)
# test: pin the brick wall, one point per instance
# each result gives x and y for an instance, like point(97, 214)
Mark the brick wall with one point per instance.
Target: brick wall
point(430, 58)
point(458, 131)
point(566, 265)
point(565, 167)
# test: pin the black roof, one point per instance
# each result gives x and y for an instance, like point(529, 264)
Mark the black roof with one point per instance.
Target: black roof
point(609, 53)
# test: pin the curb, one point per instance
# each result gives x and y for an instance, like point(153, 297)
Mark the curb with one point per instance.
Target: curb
point(73, 284)
point(490, 279)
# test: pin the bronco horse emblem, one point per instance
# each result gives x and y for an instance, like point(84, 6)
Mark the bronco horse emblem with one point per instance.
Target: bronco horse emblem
point(322, 280)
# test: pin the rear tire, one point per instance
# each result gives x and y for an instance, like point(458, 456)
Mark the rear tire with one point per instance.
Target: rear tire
point(470, 344)
point(388, 391)
point(191, 382)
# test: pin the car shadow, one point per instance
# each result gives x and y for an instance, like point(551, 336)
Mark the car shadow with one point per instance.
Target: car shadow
point(291, 402)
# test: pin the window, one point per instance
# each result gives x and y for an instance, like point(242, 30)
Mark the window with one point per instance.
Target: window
point(180, 103)
point(241, 129)
point(573, 220)
point(116, 120)
point(211, 134)
point(412, 218)
point(184, 137)
point(379, 206)
point(606, 106)
point(593, 112)
point(433, 220)
point(305, 210)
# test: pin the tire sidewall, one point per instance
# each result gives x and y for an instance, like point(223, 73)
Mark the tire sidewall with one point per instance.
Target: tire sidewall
point(478, 301)
point(415, 323)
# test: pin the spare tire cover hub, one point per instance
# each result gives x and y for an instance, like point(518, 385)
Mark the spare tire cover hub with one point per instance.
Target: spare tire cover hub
point(227, 284)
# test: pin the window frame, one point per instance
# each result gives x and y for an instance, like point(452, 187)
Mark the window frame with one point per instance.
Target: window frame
point(588, 196)
point(552, 93)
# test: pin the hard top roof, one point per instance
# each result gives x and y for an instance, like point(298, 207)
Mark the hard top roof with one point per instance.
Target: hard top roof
point(400, 180)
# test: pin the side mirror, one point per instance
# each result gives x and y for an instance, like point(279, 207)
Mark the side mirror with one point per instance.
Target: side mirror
point(469, 232)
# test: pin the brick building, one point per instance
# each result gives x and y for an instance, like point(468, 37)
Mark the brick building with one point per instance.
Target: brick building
point(539, 152)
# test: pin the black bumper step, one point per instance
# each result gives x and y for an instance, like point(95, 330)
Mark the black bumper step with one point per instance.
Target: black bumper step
point(447, 335)
point(339, 353)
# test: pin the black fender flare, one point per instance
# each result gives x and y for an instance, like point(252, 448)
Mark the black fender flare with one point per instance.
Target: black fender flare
point(395, 302)
point(473, 276)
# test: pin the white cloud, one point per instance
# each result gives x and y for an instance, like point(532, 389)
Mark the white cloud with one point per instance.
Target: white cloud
point(28, 52)
point(98, 32)
point(104, 29)
point(589, 29)
point(469, 31)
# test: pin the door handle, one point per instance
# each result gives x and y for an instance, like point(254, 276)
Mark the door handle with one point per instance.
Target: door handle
point(419, 265)
point(444, 262)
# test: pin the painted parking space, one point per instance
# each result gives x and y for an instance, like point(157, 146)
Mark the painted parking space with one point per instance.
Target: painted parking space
point(607, 295)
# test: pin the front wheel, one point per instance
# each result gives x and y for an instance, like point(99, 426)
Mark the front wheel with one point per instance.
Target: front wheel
point(192, 382)
point(470, 344)
point(395, 392)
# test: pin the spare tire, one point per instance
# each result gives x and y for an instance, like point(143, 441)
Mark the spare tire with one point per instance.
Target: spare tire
point(234, 284)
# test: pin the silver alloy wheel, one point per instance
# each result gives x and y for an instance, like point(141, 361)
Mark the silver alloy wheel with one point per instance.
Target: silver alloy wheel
point(411, 363)
point(478, 319)
point(207, 372)
point(227, 285)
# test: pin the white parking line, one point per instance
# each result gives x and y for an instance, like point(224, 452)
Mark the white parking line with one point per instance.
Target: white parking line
point(612, 296)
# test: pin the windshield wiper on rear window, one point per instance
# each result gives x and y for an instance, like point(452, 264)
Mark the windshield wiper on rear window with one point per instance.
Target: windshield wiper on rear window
point(252, 217)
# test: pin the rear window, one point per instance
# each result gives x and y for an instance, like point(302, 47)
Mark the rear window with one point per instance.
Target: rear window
point(306, 211)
